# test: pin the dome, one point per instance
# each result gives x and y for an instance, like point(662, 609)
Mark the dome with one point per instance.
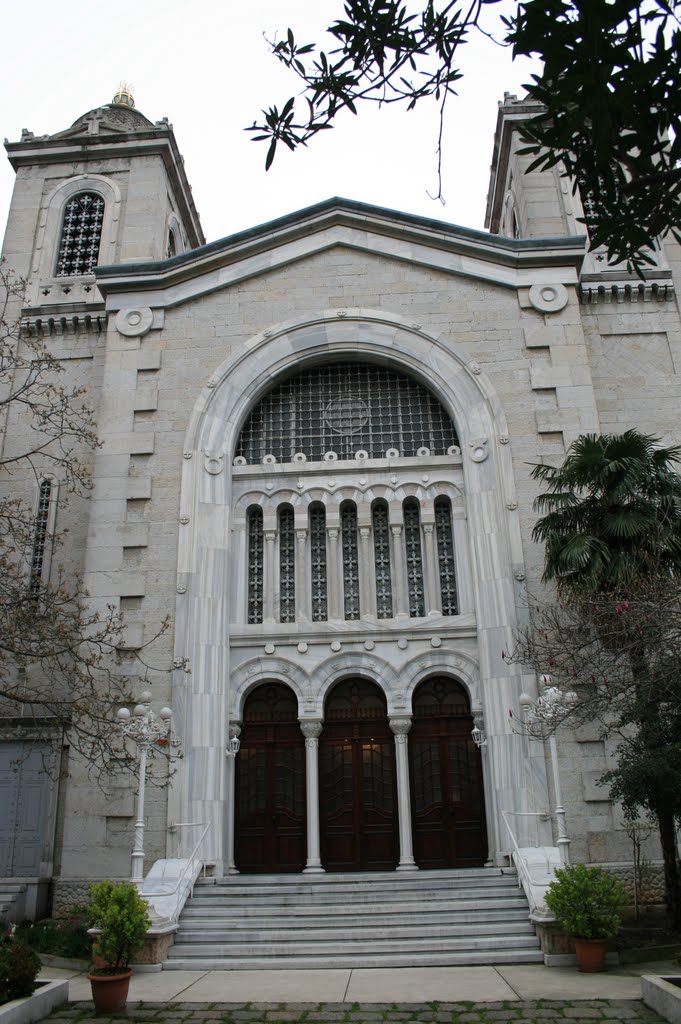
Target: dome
point(121, 118)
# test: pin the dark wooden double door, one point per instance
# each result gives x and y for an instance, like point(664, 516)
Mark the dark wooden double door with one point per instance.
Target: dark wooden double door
point(357, 782)
point(448, 811)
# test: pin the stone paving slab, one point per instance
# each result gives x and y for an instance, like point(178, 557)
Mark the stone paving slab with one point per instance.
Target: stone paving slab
point(538, 1011)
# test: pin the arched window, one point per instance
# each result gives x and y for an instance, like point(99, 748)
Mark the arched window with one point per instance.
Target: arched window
point(255, 565)
point(81, 234)
point(350, 561)
point(345, 408)
point(445, 556)
point(384, 592)
point(41, 535)
point(287, 565)
point(412, 540)
point(318, 583)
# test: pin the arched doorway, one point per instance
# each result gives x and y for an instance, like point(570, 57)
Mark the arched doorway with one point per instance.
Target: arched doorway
point(270, 784)
point(358, 797)
point(448, 807)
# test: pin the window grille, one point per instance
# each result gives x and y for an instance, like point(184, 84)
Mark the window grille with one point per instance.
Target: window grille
point(350, 561)
point(287, 566)
point(40, 538)
point(384, 595)
point(344, 408)
point(81, 235)
point(255, 565)
point(445, 556)
point(318, 563)
point(412, 540)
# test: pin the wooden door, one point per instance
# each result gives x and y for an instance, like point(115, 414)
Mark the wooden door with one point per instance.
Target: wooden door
point(358, 797)
point(270, 784)
point(448, 808)
point(24, 798)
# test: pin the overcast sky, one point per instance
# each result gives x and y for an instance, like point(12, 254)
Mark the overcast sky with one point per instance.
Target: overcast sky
point(206, 66)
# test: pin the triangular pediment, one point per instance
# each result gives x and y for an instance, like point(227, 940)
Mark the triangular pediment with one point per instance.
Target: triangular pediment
point(507, 262)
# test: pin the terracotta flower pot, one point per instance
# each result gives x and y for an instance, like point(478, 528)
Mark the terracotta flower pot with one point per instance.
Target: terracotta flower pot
point(591, 954)
point(110, 991)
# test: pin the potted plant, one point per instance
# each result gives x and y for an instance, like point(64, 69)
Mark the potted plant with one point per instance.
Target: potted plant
point(587, 903)
point(120, 917)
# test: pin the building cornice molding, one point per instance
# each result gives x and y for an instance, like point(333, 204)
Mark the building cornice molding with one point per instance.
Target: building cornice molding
point(84, 148)
point(508, 262)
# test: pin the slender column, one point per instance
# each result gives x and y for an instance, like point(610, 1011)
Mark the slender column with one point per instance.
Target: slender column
point(302, 585)
point(432, 575)
point(400, 595)
point(268, 577)
point(137, 858)
point(335, 576)
point(400, 728)
point(563, 838)
point(311, 730)
point(367, 606)
point(234, 733)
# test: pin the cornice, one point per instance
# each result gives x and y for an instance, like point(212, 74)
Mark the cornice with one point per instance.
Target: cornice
point(508, 262)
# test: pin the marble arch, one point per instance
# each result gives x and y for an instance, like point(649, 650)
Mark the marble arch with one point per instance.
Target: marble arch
point(204, 564)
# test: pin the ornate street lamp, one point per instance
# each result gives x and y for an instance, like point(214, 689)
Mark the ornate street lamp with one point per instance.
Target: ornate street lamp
point(144, 729)
point(547, 713)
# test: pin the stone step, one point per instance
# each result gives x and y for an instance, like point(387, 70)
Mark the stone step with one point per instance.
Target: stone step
point(310, 917)
point(361, 933)
point(469, 958)
point(377, 919)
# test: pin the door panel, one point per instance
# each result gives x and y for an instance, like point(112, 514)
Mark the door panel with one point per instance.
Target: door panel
point(446, 779)
point(270, 784)
point(357, 781)
point(24, 794)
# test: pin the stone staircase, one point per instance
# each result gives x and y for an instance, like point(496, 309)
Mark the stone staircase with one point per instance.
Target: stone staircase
point(396, 919)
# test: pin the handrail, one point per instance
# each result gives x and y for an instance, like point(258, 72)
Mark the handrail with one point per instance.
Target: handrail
point(190, 860)
point(524, 877)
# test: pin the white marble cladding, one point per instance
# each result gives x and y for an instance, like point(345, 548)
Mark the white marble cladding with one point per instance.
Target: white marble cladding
point(228, 657)
point(362, 482)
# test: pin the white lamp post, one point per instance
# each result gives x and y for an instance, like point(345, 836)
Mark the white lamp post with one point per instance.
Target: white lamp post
point(144, 729)
point(549, 711)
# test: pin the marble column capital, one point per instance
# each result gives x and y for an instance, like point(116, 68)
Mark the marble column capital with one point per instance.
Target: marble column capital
point(400, 726)
point(311, 728)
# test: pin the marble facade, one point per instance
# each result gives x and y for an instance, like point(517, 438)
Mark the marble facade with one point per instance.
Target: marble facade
point(524, 341)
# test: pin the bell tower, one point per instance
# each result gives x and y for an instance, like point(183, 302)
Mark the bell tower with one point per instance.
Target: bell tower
point(110, 189)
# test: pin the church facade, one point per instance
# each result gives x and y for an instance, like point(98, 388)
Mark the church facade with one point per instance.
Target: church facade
point(317, 442)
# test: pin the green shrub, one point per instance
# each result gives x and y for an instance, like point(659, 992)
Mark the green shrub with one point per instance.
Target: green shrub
point(66, 936)
point(586, 901)
point(118, 910)
point(19, 967)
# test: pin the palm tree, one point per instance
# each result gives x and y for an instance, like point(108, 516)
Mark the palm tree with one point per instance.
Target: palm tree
point(612, 513)
point(612, 534)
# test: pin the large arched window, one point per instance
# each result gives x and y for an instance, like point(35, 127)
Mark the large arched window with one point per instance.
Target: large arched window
point(345, 408)
point(81, 234)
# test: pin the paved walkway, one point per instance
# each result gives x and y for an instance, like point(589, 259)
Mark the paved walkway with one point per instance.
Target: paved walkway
point(422, 995)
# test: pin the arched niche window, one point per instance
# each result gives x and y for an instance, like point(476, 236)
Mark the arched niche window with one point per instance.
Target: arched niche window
point(351, 607)
point(345, 408)
point(42, 534)
point(81, 234)
point(255, 564)
point(412, 541)
point(287, 565)
point(445, 556)
point(381, 531)
point(318, 563)
point(171, 248)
